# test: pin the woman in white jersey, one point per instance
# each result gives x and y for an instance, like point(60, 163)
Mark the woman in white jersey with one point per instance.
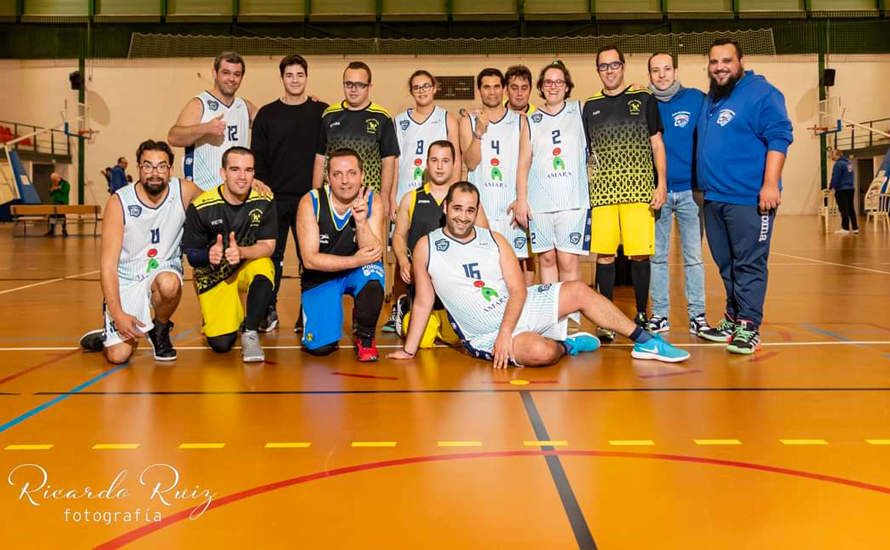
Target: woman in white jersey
point(557, 206)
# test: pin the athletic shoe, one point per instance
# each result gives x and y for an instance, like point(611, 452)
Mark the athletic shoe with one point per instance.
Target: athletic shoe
point(270, 323)
point(657, 324)
point(841, 232)
point(725, 328)
point(699, 326)
point(390, 324)
point(855, 231)
point(251, 351)
point(298, 326)
point(641, 320)
point(659, 350)
point(159, 338)
point(745, 340)
point(366, 350)
point(581, 342)
point(402, 307)
point(93, 340)
point(605, 335)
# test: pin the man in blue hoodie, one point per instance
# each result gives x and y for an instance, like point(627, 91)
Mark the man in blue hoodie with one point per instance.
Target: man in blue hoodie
point(679, 108)
point(743, 137)
point(842, 183)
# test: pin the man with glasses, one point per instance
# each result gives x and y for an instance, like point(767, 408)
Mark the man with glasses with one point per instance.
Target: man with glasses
point(628, 177)
point(140, 263)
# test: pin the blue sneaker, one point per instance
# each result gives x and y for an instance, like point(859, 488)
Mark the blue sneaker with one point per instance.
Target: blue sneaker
point(660, 350)
point(581, 342)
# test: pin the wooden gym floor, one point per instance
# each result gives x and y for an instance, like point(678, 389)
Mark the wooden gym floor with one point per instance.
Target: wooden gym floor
point(786, 449)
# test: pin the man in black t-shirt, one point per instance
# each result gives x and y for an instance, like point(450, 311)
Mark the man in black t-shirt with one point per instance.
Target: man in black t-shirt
point(284, 140)
point(229, 236)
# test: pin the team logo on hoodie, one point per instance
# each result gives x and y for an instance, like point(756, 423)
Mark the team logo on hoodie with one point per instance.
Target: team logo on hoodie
point(725, 117)
point(681, 119)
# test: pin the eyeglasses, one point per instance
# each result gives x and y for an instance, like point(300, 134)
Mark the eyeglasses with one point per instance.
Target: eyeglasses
point(615, 65)
point(553, 83)
point(161, 167)
point(355, 85)
point(422, 87)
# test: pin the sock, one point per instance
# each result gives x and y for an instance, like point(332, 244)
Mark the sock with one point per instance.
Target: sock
point(605, 279)
point(259, 296)
point(640, 272)
point(368, 304)
point(640, 335)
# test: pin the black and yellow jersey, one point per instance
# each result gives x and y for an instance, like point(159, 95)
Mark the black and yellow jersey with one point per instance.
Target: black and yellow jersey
point(369, 132)
point(210, 215)
point(425, 214)
point(621, 168)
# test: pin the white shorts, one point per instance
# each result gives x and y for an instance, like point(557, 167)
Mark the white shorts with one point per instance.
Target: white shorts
point(136, 301)
point(516, 236)
point(540, 314)
point(566, 230)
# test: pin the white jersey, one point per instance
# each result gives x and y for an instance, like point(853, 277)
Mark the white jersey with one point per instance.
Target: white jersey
point(414, 141)
point(495, 176)
point(468, 279)
point(152, 236)
point(558, 176)
point(203, 159)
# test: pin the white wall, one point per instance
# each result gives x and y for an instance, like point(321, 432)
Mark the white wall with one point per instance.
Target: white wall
point(131, 100)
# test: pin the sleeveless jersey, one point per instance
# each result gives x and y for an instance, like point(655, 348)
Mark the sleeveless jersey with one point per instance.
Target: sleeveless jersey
point(152, 236)
point(203, 159)
point(425, 214)
point(558, 176)
point(414, 141)
point(467, 278)
point(336, 235)
point(495, 176)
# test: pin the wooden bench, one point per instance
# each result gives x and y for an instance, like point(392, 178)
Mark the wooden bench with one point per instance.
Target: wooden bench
point(25, 214)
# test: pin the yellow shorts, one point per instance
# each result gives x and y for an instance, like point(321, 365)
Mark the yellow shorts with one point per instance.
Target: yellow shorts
point(632, 225)
point(437, 327)
point(221, 306)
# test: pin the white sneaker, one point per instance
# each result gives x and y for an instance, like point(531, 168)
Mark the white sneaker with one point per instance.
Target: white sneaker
point(841, 232)
point(251, 351)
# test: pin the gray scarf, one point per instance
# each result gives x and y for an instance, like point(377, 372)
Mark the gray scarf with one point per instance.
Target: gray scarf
point(666, 95)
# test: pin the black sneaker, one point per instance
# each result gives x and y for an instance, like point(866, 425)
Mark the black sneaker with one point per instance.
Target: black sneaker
point(745, 340)
point(725, 329)
point(403, 305)
point(658, 324)
point(159, 337)
point(390, 324)
point(641, 320)
point(270, 323)
point(93, 340)
point(699, 326)
point(605, 335)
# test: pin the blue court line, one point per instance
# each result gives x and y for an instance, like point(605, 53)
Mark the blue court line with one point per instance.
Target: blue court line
point(62, 397)
point(824, 332)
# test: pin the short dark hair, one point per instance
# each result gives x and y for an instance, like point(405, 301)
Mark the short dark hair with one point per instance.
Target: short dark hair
point(724, 42)
point(152, 145)
point(359, 65)
point(557, 64)
point(294, 59)
point(490, 71)
point(669, 54)
point(236, 150)
point(421, 72)
point(230, 57)
point(518, 71)
point(119, 159)
point(609, 48)
point(463, 186)
point(345, 152)
point(441, 143)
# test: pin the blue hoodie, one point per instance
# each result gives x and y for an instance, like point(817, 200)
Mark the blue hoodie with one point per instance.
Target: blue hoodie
point(679, 117)
point(734, 135)
point(842, 175)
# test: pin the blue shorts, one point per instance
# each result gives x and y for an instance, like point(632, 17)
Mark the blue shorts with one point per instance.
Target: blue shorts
point(323, 304)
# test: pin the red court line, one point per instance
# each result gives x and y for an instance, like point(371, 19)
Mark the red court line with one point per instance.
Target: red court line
point(530, 381)
point(48, 362)
point(354, 375)
point(783, 332)
point(147, 529)
point(763, 356)
point(663, 375)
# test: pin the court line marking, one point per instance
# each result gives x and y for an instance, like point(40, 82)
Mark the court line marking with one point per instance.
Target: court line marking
point(25, 371)
point(364, 444)
point(878, 441)
point(288, 445)
point(231, 498)
point(28, 447)
point(48, 281)
point(803, 442)
point(115, 446)
point(870, 270)
point(546, 443)
point(193, 446)
point(717, 442)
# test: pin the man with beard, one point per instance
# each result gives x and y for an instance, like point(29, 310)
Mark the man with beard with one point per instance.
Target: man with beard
point(141, 264)
point(476, 274)
point(213, 121)
point(743, 137)
point(284, 140)
point(519, 89)
point(679, 108)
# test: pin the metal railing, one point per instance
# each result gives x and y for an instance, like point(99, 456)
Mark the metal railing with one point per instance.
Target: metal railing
point(45, 141)
point(852, 138)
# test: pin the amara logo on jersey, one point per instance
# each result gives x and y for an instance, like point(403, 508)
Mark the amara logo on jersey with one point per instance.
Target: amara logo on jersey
point(487, 292)
point(558, 163)
point(496, 174)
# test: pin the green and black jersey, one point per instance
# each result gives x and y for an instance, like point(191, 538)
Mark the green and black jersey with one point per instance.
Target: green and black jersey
point(369, 132)
point(210, 215)
point(621, 168)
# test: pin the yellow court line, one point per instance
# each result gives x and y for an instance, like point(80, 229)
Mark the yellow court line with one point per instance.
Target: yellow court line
point(631, 442)
point(546, 443)
point(289, 445)
point(459, 443)
point(878, 441)
point(717, 442)
point(803, 442)
point(202, 445)
point(373, 443)
point(29, 447)
point(114, 446)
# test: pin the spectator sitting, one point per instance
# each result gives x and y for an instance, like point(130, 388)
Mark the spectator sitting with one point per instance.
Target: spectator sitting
point(58, 194)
